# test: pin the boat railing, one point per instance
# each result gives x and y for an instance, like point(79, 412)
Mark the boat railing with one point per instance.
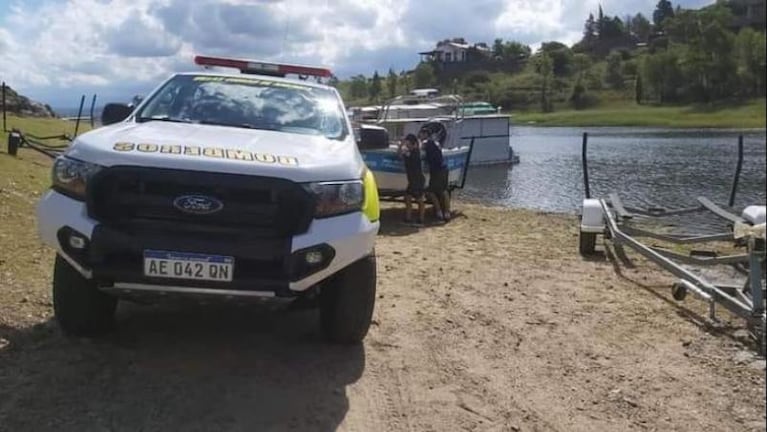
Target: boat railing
point(453, 102)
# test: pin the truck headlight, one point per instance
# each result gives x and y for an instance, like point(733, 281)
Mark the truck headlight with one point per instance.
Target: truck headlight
point(335, 198)
point(70, 176)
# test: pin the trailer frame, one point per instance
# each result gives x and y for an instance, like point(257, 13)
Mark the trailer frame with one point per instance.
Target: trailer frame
point(613, 220)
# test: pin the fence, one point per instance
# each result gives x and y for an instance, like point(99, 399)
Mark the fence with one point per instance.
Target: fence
point(42, 144)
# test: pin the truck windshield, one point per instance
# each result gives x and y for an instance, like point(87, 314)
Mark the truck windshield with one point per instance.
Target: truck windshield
point(247, 103)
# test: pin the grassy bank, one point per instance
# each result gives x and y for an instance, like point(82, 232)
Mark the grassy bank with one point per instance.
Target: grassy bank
point(747, 116)
point(43, 127)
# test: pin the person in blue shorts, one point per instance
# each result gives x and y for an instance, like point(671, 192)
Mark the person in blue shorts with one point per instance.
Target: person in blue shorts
point(438, 175)
point(410, 152)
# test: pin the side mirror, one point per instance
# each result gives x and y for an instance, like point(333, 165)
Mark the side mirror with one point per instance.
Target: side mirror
point(114, 113)
point(373, 137)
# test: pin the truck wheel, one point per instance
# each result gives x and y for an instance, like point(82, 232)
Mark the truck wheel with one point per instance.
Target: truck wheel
point(80, 308)
point(587, 243)
point(347, 301)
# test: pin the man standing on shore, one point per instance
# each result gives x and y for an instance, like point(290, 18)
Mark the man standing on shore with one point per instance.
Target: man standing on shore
point(410, 153)
point(438, 175)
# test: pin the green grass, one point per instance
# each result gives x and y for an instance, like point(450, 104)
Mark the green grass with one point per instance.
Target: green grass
point(43, 127)
point(747, 115)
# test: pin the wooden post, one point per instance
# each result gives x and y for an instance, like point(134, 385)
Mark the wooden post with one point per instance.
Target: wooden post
point(93, 104)
point(738, 167)
point(79, 114)
point(585, 165)
point(5, 129)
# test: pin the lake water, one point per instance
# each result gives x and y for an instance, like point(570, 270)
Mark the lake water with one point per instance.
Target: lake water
point(658, 167)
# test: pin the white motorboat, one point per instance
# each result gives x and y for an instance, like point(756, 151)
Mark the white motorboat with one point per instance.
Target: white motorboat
point(479, 122)
point(382, 157)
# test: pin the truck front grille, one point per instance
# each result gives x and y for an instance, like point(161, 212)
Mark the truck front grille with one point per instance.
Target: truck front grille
point(262, 205)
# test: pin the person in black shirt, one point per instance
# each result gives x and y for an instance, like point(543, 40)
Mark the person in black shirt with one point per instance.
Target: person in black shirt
point(438, 175)
point(410, 153)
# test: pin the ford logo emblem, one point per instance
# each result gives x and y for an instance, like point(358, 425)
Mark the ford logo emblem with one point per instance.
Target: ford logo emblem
point(198, 204)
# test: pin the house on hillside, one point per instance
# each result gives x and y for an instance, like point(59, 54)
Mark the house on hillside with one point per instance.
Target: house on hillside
point(453, 58)
point(456, 51)
point(748, 13)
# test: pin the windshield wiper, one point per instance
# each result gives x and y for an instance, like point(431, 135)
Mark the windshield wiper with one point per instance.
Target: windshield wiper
point(162, 118)
point(272, 127)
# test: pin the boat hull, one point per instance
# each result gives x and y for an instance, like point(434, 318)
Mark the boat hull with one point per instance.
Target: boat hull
point(389, 170)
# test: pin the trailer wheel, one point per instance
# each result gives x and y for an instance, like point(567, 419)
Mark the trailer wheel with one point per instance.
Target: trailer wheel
point(587, 243)
point(678, 291)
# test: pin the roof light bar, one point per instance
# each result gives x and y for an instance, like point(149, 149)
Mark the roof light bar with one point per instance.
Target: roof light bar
point(263, 68)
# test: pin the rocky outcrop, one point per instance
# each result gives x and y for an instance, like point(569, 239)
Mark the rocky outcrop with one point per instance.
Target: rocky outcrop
point(23, 106)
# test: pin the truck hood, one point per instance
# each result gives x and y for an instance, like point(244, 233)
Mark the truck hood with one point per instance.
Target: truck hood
point(297, 157)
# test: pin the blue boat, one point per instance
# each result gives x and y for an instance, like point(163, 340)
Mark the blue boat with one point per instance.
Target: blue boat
point(389, 170)
point(387, 166)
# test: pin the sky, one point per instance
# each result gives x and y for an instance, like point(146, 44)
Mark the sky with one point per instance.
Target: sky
point(56, 50)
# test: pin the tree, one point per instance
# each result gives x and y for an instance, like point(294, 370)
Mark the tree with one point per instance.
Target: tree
point(638, 89)
point(663, 11)
point(593, 78)
point(684, 27)
point(662, 71)
point(391, 83)
point(375, 87)
point(630, 67)
point(589, 31)
point(498, 48)
point(750, 59)
point(600, 22)
point(706, 52)
point(333, 81)
point(582, 63)
point(424, 75)
point(614, 73)
point(580, 98)
point(560, 55)
point(405, 81)
point(359, 87)
point(641, 27)
point(514, 50)
point(760, 57)
point(476, 79)
point(612, 28)
point(545, 68)
point(628, 24)
point(511, 50)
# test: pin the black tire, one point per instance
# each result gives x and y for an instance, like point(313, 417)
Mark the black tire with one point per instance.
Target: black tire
point(14, 142)
point(587, 243)
point(80, 308)
point(679, 292)
point(347, 302)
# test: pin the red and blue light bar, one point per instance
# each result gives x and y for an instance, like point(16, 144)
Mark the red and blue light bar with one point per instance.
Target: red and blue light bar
point(263, 68)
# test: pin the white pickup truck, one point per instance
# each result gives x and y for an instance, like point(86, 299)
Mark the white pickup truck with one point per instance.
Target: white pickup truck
point(216, 185)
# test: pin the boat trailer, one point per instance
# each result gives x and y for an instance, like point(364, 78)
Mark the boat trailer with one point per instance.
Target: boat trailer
point(617, 224)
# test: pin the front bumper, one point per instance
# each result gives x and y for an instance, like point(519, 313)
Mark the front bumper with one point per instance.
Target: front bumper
point(263, 265)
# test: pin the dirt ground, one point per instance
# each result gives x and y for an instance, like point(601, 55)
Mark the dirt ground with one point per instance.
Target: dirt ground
point(490, 323)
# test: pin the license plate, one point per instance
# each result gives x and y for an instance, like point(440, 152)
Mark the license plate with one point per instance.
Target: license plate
point(183, 265)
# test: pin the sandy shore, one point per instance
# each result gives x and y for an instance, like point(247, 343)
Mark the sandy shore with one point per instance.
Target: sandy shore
point(490, 323)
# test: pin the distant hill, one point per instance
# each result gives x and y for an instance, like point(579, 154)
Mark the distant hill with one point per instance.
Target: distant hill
point(23, 106)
